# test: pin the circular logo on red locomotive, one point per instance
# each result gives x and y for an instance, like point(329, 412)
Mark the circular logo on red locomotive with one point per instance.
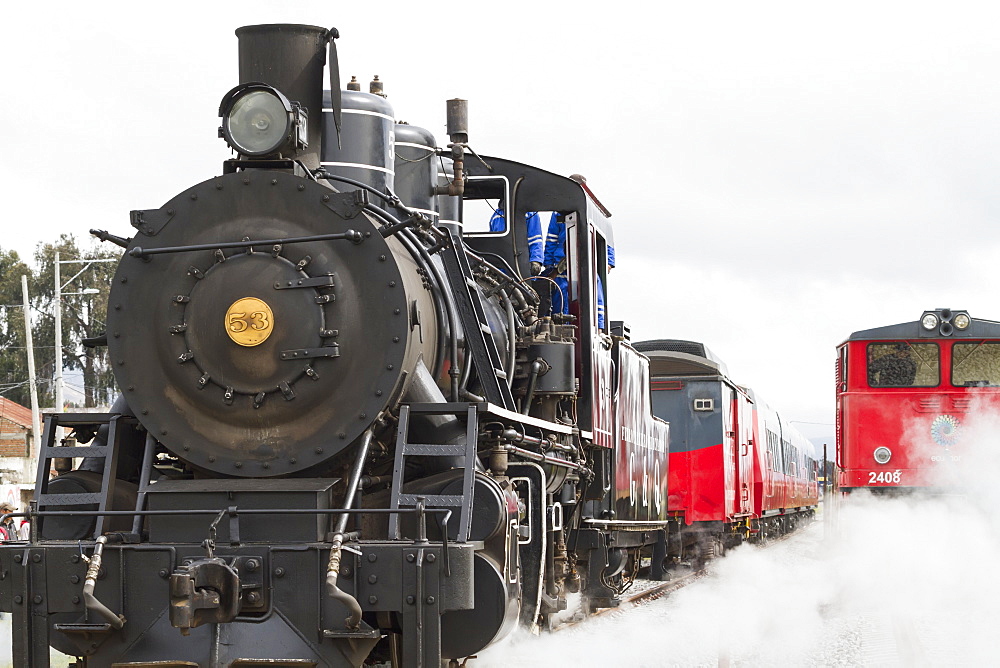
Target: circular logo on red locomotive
point(944, 430)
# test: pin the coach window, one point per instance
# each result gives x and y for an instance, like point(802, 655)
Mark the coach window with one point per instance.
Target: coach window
point(903, 364)
point(975, 364)
point(773, 450)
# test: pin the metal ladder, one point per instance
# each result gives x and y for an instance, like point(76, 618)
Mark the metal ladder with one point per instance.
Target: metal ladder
point(404, 449)
point(478, 335)
point(49, 451)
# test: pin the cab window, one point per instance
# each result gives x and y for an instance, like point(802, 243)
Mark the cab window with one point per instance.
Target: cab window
point(484, 206)
point(902, 364)
point(975, 364)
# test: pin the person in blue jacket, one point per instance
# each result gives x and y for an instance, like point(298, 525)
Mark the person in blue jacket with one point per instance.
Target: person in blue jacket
point(498, 223)
point(555, 253)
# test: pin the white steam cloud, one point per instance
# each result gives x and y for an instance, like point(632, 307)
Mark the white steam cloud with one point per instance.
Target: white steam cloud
point(894, 581)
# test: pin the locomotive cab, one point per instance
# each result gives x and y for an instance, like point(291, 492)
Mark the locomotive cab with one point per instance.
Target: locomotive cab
point(589, 376)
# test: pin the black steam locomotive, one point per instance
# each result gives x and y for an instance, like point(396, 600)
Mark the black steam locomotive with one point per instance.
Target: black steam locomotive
point(351, 430)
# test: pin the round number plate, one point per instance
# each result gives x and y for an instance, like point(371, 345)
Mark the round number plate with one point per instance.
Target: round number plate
point(249, 321)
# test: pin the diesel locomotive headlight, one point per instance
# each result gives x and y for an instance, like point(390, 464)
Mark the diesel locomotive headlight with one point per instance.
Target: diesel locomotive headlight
point(882, 454)
point(929, 321)
point(257, 120)
point(961, 321)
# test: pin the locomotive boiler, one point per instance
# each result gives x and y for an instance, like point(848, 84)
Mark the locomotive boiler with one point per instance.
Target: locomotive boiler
point(350, 430)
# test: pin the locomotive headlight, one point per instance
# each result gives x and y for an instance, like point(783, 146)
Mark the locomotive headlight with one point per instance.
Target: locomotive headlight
point(961, 321)
point(882, 454)
point(257, 120)
point(929, 321)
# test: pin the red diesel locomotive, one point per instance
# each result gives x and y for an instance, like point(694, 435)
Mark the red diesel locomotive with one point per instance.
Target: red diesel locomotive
point(904, 394)
point(737, 469)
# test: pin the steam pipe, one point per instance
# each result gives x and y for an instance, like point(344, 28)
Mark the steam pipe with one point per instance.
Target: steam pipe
point(89, 600)
point(372, 480)
point(455, 187)
point(323, 174)
point(463, 390)
point(513, 237)
point(391, 198)
point(515, 436)
point(544, 459)
point(536, 368)
point(521, 285)
point(457, 112)
point(511, 338)
point(466, 394)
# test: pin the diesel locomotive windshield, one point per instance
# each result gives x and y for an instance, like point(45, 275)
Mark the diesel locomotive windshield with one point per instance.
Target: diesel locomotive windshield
point(975, 364)
point(903, 364)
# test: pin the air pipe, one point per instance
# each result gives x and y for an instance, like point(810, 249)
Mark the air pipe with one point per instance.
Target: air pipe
point(353, 620)
point(89, 600)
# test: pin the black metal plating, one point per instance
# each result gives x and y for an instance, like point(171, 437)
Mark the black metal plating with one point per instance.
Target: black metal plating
point(279, 439)
point(151, 221)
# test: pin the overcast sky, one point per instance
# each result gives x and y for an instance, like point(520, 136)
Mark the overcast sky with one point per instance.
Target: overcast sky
point(780, 174)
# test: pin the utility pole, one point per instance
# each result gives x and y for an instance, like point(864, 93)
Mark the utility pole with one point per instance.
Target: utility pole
point(57, 314)
point(36, 426)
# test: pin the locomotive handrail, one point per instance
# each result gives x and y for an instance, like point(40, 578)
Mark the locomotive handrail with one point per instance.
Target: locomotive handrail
point(350, 235)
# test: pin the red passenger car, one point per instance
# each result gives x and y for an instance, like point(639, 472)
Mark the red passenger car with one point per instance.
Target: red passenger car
point(905, 394)
point(737, 469)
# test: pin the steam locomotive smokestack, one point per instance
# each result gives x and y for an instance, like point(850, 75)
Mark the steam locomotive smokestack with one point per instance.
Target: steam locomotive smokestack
point(291, 59)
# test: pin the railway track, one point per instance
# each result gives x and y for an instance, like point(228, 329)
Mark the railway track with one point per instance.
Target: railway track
point(652, 590)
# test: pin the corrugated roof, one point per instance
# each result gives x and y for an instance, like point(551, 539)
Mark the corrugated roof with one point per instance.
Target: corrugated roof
point(15, 412)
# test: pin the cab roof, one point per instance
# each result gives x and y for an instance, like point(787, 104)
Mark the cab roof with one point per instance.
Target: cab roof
point(675, 357)
point(977, 329)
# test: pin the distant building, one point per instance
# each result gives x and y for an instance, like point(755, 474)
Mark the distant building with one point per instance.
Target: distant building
point(15, 429)
point(18, 461)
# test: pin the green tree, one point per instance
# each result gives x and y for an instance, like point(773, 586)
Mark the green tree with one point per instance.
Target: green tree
point(83, 315)
point(13, 349)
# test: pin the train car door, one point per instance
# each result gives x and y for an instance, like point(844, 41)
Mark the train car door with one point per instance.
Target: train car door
point(743, 454)
point(730, 450)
